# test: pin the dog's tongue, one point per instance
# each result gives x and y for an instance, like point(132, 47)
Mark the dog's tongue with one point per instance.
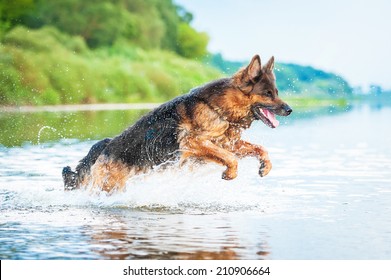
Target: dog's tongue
point(270, 116)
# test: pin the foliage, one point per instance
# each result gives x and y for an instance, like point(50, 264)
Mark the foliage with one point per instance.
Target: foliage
point(45, 66)
point(192, 44)
point(12, 10)
point(145, 23)
point(98, 22)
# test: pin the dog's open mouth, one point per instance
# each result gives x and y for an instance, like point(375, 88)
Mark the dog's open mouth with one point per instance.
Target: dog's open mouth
point(266, 116)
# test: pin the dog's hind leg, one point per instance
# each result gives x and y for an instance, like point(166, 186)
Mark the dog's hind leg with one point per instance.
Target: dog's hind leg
point(73, 180)
point(110, 175)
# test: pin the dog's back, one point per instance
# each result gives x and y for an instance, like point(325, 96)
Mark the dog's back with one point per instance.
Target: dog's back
point(151, 141)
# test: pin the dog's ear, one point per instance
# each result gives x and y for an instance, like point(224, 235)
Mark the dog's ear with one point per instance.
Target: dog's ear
point(269, 65)
point(254, 69)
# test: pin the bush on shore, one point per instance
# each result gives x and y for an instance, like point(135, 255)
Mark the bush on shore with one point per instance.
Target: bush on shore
point(46, 66)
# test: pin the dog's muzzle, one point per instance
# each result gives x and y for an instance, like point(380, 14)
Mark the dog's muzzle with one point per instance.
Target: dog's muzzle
point(286, 110)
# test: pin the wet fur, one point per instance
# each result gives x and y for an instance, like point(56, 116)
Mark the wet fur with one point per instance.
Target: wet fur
point(204, 124)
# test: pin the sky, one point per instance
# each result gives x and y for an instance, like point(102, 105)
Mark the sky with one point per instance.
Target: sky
point(349, 38)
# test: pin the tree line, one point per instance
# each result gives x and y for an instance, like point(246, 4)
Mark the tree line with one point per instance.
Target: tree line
point(148, 24)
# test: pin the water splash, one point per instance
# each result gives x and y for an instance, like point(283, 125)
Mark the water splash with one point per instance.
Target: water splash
point(37, 182)
point(42, 129)
point(199, 191)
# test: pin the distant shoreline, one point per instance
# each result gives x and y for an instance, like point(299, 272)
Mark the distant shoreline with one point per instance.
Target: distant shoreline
point(78, 107)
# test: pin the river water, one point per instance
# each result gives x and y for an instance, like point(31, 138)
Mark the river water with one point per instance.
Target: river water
point(327, 197)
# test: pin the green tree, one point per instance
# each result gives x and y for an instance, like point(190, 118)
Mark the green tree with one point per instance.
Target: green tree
point(145, 23)
point(169, 15)
point(98, 22)
point(191, 44)
point(12, 10)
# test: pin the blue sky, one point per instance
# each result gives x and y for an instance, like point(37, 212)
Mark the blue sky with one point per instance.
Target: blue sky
point(350, 38)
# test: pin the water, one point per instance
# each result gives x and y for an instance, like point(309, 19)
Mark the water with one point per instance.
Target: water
point(327, 197)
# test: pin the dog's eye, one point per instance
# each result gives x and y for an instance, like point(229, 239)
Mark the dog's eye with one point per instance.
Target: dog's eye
point(269, 93)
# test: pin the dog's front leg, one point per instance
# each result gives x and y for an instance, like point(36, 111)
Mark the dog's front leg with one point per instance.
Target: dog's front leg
point(243, 149)
point(205, 149)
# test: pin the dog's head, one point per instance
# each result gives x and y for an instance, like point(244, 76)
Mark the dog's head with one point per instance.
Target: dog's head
point(258, 85)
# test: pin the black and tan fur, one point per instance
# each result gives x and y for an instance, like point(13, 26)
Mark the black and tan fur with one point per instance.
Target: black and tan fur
point(204, 124)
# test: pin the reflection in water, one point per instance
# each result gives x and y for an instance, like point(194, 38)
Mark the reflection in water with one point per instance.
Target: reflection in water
point(19, 128)
point(161, 236)
point(120, 246)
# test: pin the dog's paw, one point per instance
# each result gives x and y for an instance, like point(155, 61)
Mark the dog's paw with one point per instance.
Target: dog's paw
point(265, 168)
point(229, 174)
point(69, 178)
point(66, 170)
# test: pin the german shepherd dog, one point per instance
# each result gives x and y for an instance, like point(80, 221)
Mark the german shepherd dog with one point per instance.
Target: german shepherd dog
point(204, 124)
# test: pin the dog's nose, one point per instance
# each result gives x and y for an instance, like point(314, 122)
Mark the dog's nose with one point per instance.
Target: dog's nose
point(288, 110)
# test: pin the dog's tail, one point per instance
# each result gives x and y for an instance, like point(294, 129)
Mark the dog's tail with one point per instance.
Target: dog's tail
point(74, 179)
